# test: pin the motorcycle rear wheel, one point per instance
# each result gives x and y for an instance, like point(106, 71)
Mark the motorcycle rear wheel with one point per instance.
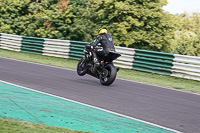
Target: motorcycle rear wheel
point(82, 67)
point(109, 75)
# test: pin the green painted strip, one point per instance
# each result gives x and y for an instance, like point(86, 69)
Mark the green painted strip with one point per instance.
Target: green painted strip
point(27, 41)
point(31, 52)
point(32, 38)
point(76, 49)
point(80, 54)
point(30, 49)
point(26, 105)
point(151, 70)
point(77, 53)
point(151, 67)
point(74, 58)
point(76, 45)
point(32, 45)
point(148, 68)
point(153, 62)
point(153, 54)
point(39, 44)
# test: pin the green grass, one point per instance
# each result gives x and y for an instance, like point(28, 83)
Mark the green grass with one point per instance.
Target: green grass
point(150, 78)
point(12, 126)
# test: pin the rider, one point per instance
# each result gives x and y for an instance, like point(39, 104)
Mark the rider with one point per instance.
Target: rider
point(101, 46)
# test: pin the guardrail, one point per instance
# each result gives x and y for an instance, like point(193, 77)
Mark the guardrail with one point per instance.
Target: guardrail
point(175, 65)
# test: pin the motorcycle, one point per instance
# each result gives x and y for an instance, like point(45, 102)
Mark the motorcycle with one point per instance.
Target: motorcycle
point(106, 72)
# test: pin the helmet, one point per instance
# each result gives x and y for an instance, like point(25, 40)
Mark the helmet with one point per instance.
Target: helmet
point(102, 30)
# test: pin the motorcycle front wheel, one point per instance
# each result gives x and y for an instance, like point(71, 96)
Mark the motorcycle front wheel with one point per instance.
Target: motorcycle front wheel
point(109, 75)
point(82, 67)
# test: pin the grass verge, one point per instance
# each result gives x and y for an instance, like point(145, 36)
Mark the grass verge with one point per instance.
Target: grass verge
point(150, 78)
point(12, 126)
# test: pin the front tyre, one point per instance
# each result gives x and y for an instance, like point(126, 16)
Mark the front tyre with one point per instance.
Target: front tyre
point(109, 75)
point(82, 67)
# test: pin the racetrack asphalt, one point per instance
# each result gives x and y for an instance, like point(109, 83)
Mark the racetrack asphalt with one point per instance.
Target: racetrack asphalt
point(166, 107)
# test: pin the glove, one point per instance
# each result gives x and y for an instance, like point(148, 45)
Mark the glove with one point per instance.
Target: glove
point(88, 46)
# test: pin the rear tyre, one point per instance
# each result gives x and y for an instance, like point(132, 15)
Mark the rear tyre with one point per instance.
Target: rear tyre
point(109, 75)
point(82, 67)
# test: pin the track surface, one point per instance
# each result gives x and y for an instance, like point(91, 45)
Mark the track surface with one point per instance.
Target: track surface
point(166, 107)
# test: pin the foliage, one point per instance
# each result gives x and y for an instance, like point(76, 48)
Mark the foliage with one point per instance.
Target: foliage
point(187, 39)
point(135, 23)
point(140, 24)
point(83, 28)
point(36, 18)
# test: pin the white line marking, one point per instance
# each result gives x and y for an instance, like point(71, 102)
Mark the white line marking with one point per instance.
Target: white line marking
point(117, 78)
point(125, 116)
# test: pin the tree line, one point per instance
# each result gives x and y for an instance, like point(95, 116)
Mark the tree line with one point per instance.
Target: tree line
point(140, 24)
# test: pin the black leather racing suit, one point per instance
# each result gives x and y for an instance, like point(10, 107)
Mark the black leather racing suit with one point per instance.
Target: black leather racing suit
point(102, 46)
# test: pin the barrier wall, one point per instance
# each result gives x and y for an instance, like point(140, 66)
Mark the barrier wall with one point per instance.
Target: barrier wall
point(175, 65)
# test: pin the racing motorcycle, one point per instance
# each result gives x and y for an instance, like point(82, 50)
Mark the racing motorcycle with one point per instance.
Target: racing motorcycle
point(106, 72)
